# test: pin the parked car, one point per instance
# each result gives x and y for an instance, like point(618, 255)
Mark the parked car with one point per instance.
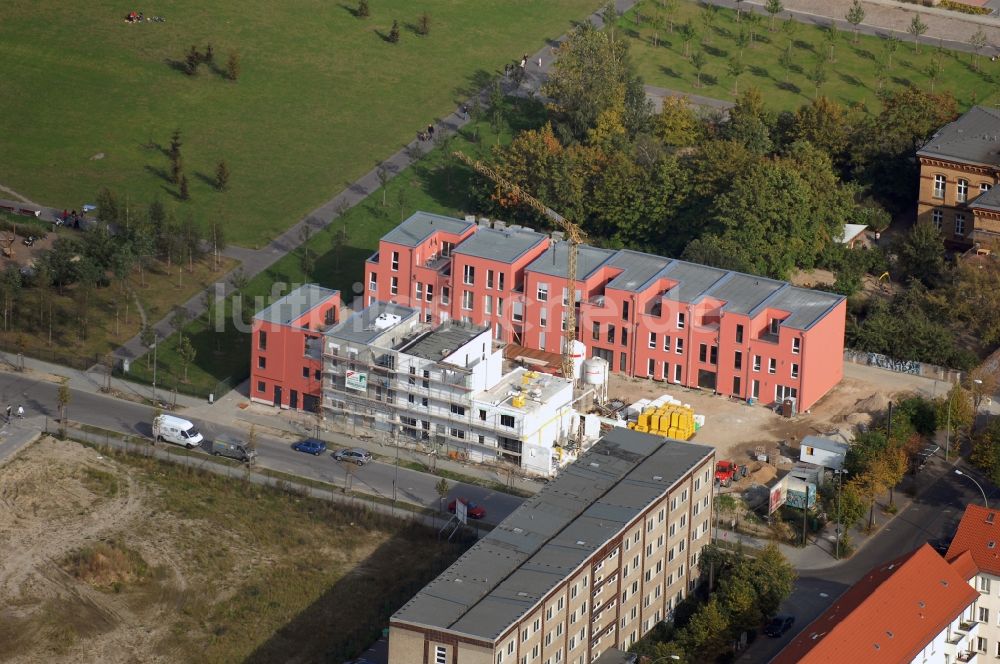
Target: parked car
point(310, 446)
point(353, 455)
point(177, 431)
point(233, 449)
point(473, 510)
point(779, 624)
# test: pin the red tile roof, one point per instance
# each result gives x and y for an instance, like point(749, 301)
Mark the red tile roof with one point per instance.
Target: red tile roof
point(888, 616)
point(978, 534)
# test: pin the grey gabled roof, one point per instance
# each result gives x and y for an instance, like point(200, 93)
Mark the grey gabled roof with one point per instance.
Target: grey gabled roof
point(973, 138)
point(553, 261)
point(421, 225)
point(295, 305)
point(505, 246)
point(360, 328)
point(826, 444)
point(549, 536)
point(450, 336)
point(989, 200)
point(805, 305)
point(637, 269)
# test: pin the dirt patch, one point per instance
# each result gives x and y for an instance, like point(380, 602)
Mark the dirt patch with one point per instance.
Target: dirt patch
point(108, 558)
point(811, 278)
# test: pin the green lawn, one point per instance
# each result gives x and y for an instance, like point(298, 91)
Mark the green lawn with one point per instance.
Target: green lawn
point(435, 183)
point(322, 96)
point(850, 77)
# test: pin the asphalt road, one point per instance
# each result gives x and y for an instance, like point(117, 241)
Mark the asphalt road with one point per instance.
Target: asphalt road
point(377, 478)
point(933, 515)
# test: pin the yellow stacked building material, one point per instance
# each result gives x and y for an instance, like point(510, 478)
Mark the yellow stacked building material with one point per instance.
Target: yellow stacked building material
point(644, 419)
point(671, 421)
point(641, 429)
point(630, 425)
point(518, 401)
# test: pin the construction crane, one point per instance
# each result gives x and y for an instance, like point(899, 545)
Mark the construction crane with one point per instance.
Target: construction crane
point(574, 236)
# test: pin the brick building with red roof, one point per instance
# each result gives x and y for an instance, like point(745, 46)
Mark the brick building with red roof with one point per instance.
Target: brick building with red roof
point(916, 608)
point(975, 554)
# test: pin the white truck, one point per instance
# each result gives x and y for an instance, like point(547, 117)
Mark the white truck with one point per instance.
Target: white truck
point(176, 430)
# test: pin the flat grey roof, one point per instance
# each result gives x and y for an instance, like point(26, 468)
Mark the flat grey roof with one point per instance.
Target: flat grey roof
point(421, 225)
point(449, 337)
point(360, 328)
point(989, 200)
point(973, 138)
point(692, 280)
point(805, 306)
point(505, 246)
point(638, 268)
point(553, 261)
point(825, 444)
point(295, 305)
point(506, 574)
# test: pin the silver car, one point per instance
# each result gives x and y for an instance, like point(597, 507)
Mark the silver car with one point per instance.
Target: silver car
point(353, 455)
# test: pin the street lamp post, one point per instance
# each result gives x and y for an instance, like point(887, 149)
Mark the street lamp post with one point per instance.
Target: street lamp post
point(959, 472)
point(977, 399)
point(155, 344)
point(840, 479)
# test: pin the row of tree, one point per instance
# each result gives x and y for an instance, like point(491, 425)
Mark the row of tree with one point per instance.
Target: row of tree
point(750, 588)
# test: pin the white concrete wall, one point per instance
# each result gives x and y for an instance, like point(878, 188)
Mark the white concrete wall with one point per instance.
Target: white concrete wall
point(822, 458)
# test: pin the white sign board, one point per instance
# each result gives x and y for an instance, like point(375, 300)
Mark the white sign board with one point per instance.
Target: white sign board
point(356, 380)
point(462, 511)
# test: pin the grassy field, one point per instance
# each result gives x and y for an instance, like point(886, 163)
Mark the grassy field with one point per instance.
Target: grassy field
point(434, 184)
point(90, 101)
point(850, 77)
point(184, 566)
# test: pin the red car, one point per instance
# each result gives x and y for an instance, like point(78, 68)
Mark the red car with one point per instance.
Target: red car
point(473, 510)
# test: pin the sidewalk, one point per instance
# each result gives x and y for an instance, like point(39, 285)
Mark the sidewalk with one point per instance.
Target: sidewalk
point(17, 435)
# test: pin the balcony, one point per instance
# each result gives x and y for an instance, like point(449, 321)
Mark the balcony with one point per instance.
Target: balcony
point(966, 656)
point(769, 337)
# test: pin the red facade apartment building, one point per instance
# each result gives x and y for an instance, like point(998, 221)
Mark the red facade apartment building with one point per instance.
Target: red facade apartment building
point(286, 357)
point(648, 316)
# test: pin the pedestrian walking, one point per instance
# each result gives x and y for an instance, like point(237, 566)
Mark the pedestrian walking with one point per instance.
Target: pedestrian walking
point(539, 63)
point(465, 111)
point(430, 131)
point(524, 61)
point(9, 409)
point(20, 412)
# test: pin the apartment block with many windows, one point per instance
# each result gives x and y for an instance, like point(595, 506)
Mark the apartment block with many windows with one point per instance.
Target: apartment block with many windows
point(648, 316)
point(959, 171)
point(286, 361)
point(592, 562)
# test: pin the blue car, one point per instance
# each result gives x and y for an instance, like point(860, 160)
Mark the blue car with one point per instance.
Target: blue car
point(310, 446)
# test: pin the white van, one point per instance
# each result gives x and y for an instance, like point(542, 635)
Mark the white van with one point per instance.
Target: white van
point(177, 431)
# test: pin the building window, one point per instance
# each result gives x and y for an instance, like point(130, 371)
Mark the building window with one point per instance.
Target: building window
point(680, 321)
point(394, 286)
point(305, 372)
point(677, 373)
point(796, 345)
point(652, 339)
point(756, 362)
point(445, 295)
point(624, 336)
point(542, 294)
point(500, 281)
point(651, 368)
point(959, 224)
point(418, 291)
point(395, 261)
point(739, 334)
point(595, 331)
point(489, 278)
point(738, 360)
point(262, 340)
point(611, 334)
point(703, 352)
point(507, 421)
point(981, 644)
point(984, 584)
point(518, 312)
point(962, 191)
point(487, 305)
point(755, 389)
point(772, 366)
point(373, 282)
point(430, 292)
point(937, 216)
point(625, 310)
point(666, 342)
point(679, 346)
point(468, 275)
point(623, 362)
point(261, 362)
point(939, 184)
point(736, 386)
point(543, 317)
point(983, 188)
point(666, 371)
point(467, 300)
point(457, 410)
point(440, 655)
point(261, 387)
point(795, 370)
point(984, 615)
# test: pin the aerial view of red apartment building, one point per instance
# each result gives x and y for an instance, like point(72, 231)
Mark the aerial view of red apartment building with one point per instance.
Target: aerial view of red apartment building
point(648, 316)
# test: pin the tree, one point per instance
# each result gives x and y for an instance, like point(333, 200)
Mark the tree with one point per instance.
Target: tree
point(982, 384)
point(774, 7)
point(222, 175)
point(688, 34)
point(698, 62)
point(180, 319)
point(707, 633)
point(823, 123)
point(677, 124)
point(176, 170)
point(233, 66)
point(974, 292)
point(209, 55)
point(424, 24)
point(735, 69)
point(191, 62)
point(831, 35)
point(920, 254)
point(786, 59)
point(363, 10)
point(498, 110)
point(855, 15)
point(394, 33)
point(383, 175)
point(753, 21)
point(742, 41)
point(955, 412)
point(442, 488)
point(670, 8)
point(609, 15)
point(185, 193)
point(790, 26)
point(817, 76)
point(934, 69)
point(63, 397)
point(709, 15)
point(916, 28)
point(891, 45)
point(252, 438)
point(186, 352)
point(978, 42)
